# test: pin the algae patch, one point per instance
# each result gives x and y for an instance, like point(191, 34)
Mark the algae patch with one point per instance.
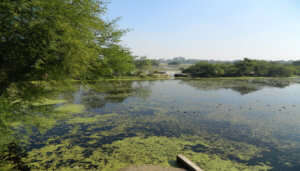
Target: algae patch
point(91, 120)
point(70, 108)
point(161, 151)
point(129, 151)
point(46, 101)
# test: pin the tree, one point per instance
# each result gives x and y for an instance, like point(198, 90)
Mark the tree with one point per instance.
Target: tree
point(261, 68)
point(117, 61)
point(245, 67)
point(204, 69)
point(280, 71)
point(143, 65)
point(56, 39)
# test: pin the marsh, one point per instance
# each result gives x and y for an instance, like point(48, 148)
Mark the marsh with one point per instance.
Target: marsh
point(220, 124)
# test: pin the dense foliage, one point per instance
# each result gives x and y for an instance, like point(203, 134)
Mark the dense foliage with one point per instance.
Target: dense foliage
point(246, 67)
point(144, 65)
point(58, 39)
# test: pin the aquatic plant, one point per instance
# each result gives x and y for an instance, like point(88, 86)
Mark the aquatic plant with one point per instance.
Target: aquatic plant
point(70, 108)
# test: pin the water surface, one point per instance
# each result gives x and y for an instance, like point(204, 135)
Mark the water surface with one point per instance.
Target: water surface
point(220, 124)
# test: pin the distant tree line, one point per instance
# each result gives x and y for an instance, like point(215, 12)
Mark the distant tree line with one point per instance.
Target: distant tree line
point(183, 60)
point(144, 63)
point(178, 61)
point(246, 67)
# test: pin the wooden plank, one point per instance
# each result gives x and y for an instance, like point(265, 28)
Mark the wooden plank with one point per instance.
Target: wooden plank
point(150, 168)
point(184, 162)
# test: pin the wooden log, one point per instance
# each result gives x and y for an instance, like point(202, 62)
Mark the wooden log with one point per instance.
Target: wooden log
point(184, 162)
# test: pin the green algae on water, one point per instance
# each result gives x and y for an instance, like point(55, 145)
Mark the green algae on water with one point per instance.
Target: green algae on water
point(91, 120)
point(130, 151)
point(70, 108)
point(108, 130)
point(46, 101)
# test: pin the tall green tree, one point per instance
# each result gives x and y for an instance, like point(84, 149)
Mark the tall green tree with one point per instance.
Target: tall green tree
point(56, 39)
point(115, 60)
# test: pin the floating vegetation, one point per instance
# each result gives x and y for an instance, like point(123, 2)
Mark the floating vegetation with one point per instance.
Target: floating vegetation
point(70, 108)
point(46, 101)
point(130, 151)
point(116, 124)
point(91, 120)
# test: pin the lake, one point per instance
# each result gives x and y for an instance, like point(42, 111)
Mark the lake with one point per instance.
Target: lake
point(220, 124)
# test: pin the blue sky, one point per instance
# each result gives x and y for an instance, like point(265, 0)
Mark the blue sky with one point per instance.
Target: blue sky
point(210, 29)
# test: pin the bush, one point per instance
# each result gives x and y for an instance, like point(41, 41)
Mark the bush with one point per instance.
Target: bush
point(245, 67)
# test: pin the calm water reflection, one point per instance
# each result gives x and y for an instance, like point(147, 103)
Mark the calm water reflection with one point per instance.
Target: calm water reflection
point(219, 124)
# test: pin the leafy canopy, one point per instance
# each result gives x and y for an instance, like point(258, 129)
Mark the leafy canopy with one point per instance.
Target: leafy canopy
point(58, 39)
